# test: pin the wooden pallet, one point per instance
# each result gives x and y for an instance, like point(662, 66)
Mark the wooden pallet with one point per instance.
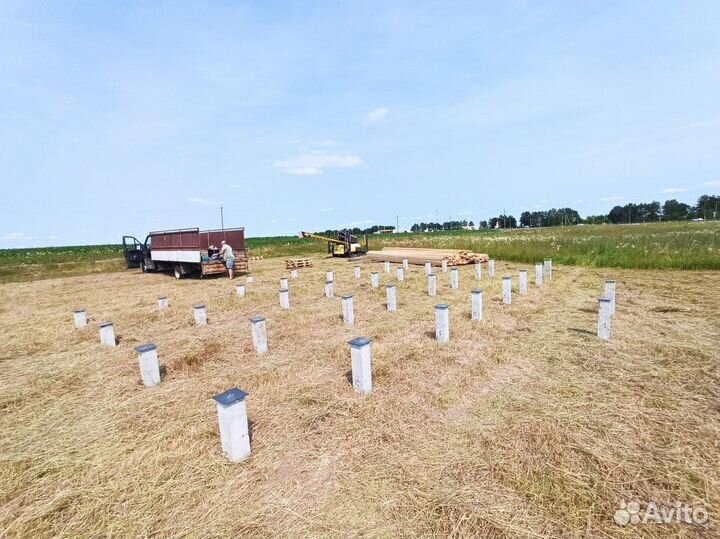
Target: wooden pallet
point(295, 263)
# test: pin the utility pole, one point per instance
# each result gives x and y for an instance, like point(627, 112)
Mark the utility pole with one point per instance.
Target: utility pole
point(397, 224)
point(222, 218)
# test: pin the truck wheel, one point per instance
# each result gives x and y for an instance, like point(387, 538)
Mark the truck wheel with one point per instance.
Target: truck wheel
point(178, 272)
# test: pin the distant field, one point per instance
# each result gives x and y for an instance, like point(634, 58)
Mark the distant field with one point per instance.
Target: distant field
point(46, 262)
point(646, 246)
point(682, 245)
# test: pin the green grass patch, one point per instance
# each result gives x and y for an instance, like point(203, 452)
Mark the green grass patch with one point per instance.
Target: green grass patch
point(676, 245)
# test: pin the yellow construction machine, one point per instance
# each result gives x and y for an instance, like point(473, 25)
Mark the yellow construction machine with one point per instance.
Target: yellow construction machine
point(345, 245)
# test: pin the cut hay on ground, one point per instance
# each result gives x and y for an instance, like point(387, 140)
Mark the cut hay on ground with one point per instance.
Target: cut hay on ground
point(524, 425)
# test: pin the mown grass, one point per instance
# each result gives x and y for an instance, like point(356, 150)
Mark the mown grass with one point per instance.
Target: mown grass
point(522, 425)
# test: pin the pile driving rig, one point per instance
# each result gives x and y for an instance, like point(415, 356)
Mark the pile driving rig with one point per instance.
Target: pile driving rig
point(345, 245)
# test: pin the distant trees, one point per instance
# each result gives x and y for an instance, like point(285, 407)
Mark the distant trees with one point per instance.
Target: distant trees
point(373, 229)
point(647, 213)
point(707, 207)
point(503, 221)
point(636, 213)
point(595, 219)
point(552, 217)
point(357, 231)
point(673, 210)
point(435, 227)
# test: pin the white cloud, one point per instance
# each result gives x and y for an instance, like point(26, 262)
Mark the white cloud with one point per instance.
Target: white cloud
point(714, 183)
point(328, 143)
point(612, 199)
point(304, 171)
point(359, 223)
point(198, 200)
point(670, 190)
point(14, 236)
point(314, 163)
point(375, 116)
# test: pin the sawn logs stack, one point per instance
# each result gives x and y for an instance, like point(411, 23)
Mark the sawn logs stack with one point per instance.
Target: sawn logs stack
point(454, 257)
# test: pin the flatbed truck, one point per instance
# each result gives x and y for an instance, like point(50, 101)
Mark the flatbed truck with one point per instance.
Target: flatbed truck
point(185, 251)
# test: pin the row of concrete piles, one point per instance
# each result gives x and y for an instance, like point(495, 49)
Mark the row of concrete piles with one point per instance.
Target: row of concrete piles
point(231, 404)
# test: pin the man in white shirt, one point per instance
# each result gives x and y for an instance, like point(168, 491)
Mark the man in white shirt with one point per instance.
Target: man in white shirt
point(226, 251)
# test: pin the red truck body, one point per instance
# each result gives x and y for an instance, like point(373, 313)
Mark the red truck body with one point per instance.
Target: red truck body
point(192, 239)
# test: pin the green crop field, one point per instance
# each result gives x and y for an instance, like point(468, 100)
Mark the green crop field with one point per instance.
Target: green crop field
point(47, 262)
point(676, 245)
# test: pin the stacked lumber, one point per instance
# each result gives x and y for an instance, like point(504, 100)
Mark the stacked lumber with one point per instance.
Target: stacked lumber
point(454, 257)
point(295, 263)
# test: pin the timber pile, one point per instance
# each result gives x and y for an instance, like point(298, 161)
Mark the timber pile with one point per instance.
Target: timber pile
point(295, 263)
point(454, 257)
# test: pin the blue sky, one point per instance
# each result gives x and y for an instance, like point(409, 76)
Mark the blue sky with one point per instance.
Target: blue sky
point(126, 117)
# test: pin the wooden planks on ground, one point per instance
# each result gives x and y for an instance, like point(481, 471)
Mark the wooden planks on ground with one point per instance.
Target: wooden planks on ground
point(418, 256)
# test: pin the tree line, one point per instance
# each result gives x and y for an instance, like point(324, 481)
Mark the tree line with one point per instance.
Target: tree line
point(356, 231)
point(707, 207)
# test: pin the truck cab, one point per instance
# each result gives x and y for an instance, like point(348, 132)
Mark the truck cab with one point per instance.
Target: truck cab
point(133, 251)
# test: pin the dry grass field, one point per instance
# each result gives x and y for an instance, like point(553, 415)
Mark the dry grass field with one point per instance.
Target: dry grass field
point(523, 425)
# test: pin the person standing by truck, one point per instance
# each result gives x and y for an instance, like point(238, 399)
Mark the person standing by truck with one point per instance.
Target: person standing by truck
point(226, 251)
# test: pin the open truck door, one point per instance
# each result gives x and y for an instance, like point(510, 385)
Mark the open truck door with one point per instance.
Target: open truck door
point(132, 251)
